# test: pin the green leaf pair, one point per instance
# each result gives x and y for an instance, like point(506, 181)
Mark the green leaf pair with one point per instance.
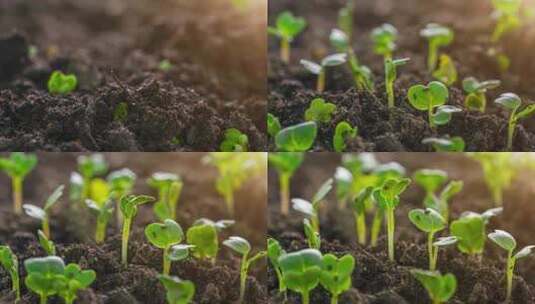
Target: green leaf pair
point(427, 98)
point(62, 84)
point(234, 141)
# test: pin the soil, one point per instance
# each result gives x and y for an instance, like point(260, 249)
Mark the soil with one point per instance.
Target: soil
point(114, 47)
point(376, 279)
point(72, 231)
point(291, 88)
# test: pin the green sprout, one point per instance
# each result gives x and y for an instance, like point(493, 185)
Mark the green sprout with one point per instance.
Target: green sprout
point(446, 72)
point(336, 274)
point(203, 235)
point(498, 172)
point(44, 276)
point(177, 291)
point(169, 188)
point(43, 214)
point(120, 113)
point(9, 261)
point(320, 111)
point(297, 138)
point(507, 14)
point(476, 99)
point(17, 166)
point(101, 203)
point(242, 246)
point(168, 236)
point(470, 231)
point(312, 236)
point(439, 287)
point(508, 242)
point(345, 18)
point(274, 252)
point(453, 144)
point(387, 199)
point(427, 98)
point(62, 84)
point(384, 40)
point(48, 246)
point(301, 271)
point(437, 36)
point(431, 222)
point(74, 279)
point(319, 69)
point(129, 206)
point(359, 213)
point(120, 183)
point(165, 65)
point(286, 163)
point(431, 180)
point(513, 103)
point(90, 166)
point(286, 29)
point(390, 77)
point(311, 209)
point(343, 132)
point(273, 125)
point(234, 141)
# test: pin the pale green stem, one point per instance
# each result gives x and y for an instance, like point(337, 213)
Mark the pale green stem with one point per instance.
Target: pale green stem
point(390, 227)
point(229, 199)
point(285, 50)
point(100, 232)
point(46, 226)
point(431, 251)
point(284, 181)
point(126, 235)
point(17, 194)
point(306, 297)
point(432, 57)
point(509, 273)
point(334, 299)
point(42, 299)
point(361, 228)
point(511, 131)
point(320, 86)
point(430, 117)
point(243, 276)
point(166, 262)
point(376, 227)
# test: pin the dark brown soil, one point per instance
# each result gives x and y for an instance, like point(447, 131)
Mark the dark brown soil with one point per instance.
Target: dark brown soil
point(72, 231)
point(375, 279)
point(115, 47)
point(291, 88)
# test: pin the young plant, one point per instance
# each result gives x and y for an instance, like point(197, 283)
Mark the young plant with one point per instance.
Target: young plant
point(513, 103)
point(384, 40)
point(446, 72)
point(203, 235)
point(120, 183)
point(312, 236)
point(44, 276)
point(234, 141)
point(273, 125)
point(90, 166)
point(431, 180)
point(438, 36)
point(453, 144)
point(387, 199)
point(104, 210)
point(431, 222)
point(391, 73)
point(165, 65)
point(242, 246)
point(343, 132)
point(359, 213)
point(508, 242)
point(274, 252)
point(129, 206)
point(470, 231)
point(120, 114)
point(75, 279)
point(17, 166)
point(507, 14)
point(48, 246)
point(43, 214)
point(167, 236)
point(62, 84)
point(9, 261)
point(442, 242)
point(286, 29)
point(319, 69)
point(320, 111)
point(476, 99)
point(427, 98)
point(312, 208)
point(301, 271)
point(336, 274)
point(345, 18)
point(286, 163)
point(177, 291)
point(297, 138)
point(439, 287)
point(169, 188)
point(498, 172)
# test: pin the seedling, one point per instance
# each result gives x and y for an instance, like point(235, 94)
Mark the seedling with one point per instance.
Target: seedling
point(336, 274)
point(169, 188)
point(345, 18)
point(384, 40)
point(129, 206)
point(274, 252)
point(446, 72)
point(498, 172)
point(9, 261)
point(43, 214)
point(359, 213)
point(120, 114)
point(273, 125)
point(508, 242)
point(204, 236)
point(442, 242)
point(320, 111)
point(90, 166)
point(17, 166)
point(439, 287)
point(301, 271)
point(73, 280)
point(431, 222)
point(165, 65)
point(391, 74)
point(177, 291)
point(342, 133)
point(285, 163)
point(121, 183)
point(431, 180)
point(62, 84)
point(234, 141)
point(44, 276)
point(470, 230)
point(48, 246)
point(438, 36)
point(166, 236)
point(312, 236)
point(427, 98)
point(513, 103)
point(242, 246)
point(387, 199)
point(312, 208)
point(319, 69)
point(286, 29)
point(507, 14)
point(297, 138)
point(476, 99)
point(453, 144)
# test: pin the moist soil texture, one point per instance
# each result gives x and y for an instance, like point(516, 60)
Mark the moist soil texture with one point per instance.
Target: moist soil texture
point(216, 80)
point(291, 87)
point(376, 279)
point(72, 230)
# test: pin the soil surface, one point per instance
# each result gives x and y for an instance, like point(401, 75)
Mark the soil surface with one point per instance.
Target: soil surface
point(72, 231)
point(291, 87)
point(216, 82)
point(376, 279)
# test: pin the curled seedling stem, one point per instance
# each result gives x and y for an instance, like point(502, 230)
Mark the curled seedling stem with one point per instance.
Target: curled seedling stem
point(311, 209)
point(129, 207)
point(43, 214)
point(513, 103)
point(391, 75)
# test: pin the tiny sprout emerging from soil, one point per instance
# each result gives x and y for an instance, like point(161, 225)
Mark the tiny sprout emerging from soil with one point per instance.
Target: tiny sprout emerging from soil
point(48, 246)
point(498, 171)
point(234, 141)
point(319, 69)
point(439, 287)
point(177, 291)
point(297, 138)
point(120, 183)
point(446, 72)
point(384, 40)
point(513, 103)
point(470, 230)
point(387, 199)
point(43, 214)
point(120, 114)
point(391, 73)
point(274, 252)
point(102, 204)
point(17, 167)
point(301, 271)
point(286, 29)
point(74, 279)
point(431, 222)
point(62, 84)
point(453, 144)
point(286, 163)
point(336, 274)
point(431, 180)
point(507, 14)
point(9, 261)
point(242, 246)
point(165, 65)
point(320, 111)
point(343, 132)
point(476, 99)
point(438, 36)
point(427, 98)
point(311, 209)
point(166, 236)
point(508, 242)
point(169, 188)
point(312, 236)
point(129, 206)
point(203, 235)
point(90, 166)
point(273, 125)
point(359, 212)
